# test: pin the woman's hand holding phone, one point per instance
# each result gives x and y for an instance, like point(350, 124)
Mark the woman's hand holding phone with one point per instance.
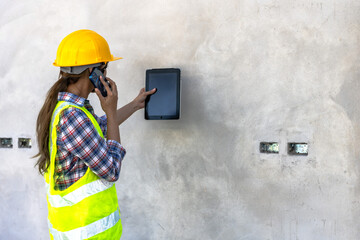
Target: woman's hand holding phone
point(108, 103)
point(94, 77)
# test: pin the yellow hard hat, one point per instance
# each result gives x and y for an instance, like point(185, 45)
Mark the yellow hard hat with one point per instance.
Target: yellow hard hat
point(83, 47)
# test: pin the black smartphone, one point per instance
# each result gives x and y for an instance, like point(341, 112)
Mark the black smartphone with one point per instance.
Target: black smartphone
point(95, 79)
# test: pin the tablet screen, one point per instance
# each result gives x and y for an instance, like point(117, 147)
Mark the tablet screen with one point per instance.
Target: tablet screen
point(164, 103)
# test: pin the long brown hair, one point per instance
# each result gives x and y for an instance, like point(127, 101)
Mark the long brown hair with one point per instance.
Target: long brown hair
point(45, 114)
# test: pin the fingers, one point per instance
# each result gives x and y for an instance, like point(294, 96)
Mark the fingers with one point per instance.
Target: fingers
point(108, 90)
point(97, 91)
point(105, 85)
point(113, 85)
point(150, 92)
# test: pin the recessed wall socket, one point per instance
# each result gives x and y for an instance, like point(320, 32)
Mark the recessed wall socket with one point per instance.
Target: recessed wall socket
point(269, 147)
point(6, 143)
point(298, 149)
point(24, 143)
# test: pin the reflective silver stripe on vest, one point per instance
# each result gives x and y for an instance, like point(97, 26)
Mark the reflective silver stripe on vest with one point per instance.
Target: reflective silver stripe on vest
point(78, 194)
point(87, 231)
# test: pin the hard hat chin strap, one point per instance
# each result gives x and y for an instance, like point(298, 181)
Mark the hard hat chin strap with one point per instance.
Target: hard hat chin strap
point(79, 69)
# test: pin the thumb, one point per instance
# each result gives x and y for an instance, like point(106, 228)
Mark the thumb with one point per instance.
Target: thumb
point(151, 91)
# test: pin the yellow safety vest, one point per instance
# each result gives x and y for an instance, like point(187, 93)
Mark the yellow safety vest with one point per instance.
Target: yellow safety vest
point(89, 208)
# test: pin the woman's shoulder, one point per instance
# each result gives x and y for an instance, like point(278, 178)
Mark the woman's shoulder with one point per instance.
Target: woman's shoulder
point(73, 115)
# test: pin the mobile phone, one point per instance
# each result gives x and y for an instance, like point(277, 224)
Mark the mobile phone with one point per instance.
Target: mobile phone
point(95, 79)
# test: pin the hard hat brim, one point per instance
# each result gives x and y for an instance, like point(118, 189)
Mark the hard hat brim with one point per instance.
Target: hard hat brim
point(117, 58)
point(113, 59)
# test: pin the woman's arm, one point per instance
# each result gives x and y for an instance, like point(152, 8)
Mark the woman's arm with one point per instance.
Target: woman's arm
point(109, 105)
point(138, 103)
point(78, 135)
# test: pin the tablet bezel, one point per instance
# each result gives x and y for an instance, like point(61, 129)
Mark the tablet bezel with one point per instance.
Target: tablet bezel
point(163, 117)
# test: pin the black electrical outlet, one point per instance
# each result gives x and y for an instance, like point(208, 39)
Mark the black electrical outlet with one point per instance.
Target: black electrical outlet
point(6, 143)
point(298, 149)
point(269, 147)
point(24, 143)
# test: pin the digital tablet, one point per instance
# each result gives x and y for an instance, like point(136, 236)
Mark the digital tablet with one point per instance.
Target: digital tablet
point(165, 102)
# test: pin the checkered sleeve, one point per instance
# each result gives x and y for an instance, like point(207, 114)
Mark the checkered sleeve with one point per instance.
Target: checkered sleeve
point(79, 136)
point(102, 123)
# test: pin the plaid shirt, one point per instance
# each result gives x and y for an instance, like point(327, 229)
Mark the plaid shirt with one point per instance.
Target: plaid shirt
point(80, 146)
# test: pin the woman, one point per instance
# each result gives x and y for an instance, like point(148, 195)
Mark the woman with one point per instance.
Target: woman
point(80, 153)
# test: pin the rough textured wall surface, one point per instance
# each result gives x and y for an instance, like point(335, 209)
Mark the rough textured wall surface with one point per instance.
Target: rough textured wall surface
point(264, 70)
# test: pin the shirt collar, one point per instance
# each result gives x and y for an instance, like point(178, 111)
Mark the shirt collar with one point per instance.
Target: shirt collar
point(70, 97)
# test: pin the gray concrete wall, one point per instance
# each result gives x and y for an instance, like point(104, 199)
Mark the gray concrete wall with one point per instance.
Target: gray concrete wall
point(264, 70)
